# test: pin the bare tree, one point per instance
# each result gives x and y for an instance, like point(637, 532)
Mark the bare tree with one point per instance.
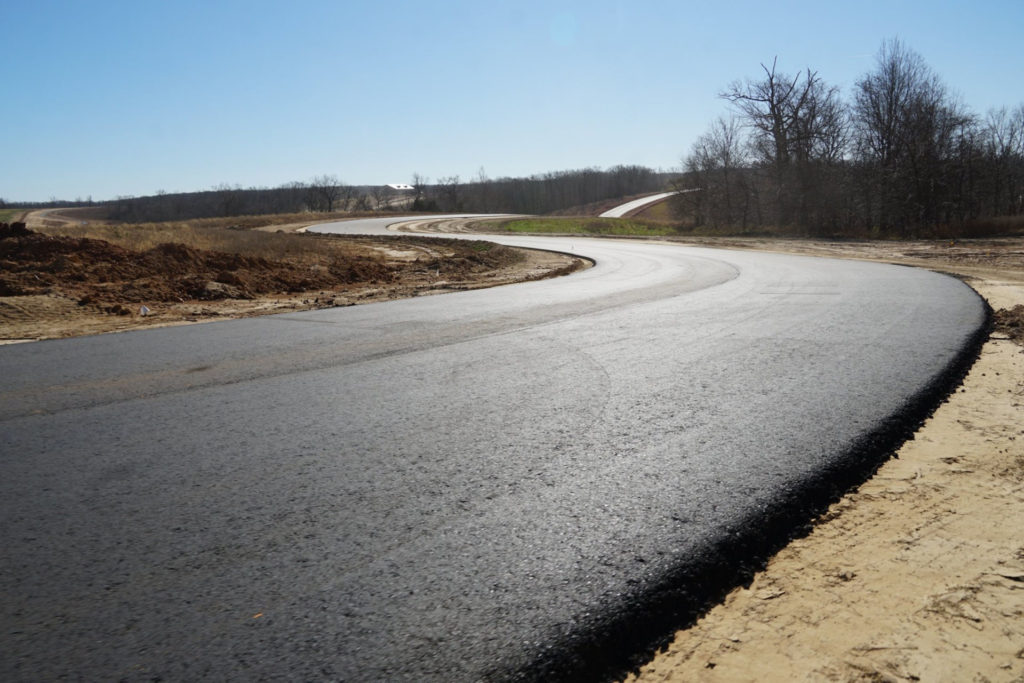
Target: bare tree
point(915, 135)
point(346, 197)
point(325, 191)
point(1004, 155)
point(421, 194)
point(361, 202)
point(450, 194)
point(290, 197)
point(419, 186)
point(884, 99)
point(775, 107)
point(714, 167)
point(382, 196)
point(231, 199)
point(821, 127)
point(797, 122)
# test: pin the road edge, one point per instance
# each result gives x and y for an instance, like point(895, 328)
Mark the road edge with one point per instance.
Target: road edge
point(627, 636)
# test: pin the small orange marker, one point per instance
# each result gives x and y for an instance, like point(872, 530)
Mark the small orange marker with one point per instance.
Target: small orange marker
point(257, 615)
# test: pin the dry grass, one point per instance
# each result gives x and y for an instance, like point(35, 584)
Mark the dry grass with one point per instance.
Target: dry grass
point(587, 225)
point(660, 213)
point(215, 235)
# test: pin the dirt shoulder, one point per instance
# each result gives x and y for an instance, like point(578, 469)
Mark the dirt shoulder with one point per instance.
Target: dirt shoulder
point(919, 573)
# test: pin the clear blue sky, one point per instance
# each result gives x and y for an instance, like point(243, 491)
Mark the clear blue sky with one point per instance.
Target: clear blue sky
point(108, 98)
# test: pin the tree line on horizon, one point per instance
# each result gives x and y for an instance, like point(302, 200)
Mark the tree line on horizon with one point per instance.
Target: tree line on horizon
point(901, 157)
point(538, 194)
point(542, 194)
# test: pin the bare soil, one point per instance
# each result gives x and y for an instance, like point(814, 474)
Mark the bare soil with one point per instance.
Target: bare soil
point(54, 285)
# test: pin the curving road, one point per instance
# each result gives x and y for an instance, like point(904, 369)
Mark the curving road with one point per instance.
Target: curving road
point(495, 484)
point(623, 209)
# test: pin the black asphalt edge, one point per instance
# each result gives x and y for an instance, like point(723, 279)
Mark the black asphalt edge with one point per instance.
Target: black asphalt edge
point(587, 259)
point(613, 644)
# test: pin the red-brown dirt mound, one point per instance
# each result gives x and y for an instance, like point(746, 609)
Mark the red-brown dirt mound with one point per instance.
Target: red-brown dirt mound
point(1010, 321)
point(32, 263)
point(103, 278)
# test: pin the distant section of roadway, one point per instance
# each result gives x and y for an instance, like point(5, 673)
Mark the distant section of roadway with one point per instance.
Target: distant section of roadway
point(518, 482)
point(623, 209)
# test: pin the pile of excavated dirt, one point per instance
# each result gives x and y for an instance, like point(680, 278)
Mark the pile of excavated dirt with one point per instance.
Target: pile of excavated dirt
point(95, 271)
point(60, 286)
point(1010, 321)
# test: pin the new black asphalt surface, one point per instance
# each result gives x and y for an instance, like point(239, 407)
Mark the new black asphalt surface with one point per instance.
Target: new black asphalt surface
point(523, 482)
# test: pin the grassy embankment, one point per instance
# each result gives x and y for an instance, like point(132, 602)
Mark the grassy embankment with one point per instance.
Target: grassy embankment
point(647, 225)
point(9, 215)
point(589, 226)
point(637, 226)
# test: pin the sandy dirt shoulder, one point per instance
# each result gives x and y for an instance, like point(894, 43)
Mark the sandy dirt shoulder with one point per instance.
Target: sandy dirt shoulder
point(919, 573)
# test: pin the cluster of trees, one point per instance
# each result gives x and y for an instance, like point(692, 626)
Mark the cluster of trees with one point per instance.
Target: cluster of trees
point(537, 194)
point(322, 193)
point(902, 157)
point(53, 203)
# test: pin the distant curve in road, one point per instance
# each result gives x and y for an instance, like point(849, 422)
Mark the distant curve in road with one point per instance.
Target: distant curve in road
point(522, 482)
point(623, 209)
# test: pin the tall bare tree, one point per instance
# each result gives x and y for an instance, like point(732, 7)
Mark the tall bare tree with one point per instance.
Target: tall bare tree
point(230, 198)
point(798, 123)
point(911, 131)
point(715, 168)
point(1004, 155)
point(325, 191)
point(422, 201)
point(449, 193)
point(382, 196)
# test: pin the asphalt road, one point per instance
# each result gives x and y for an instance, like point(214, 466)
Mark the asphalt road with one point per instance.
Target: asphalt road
point(496, 484)
point(623, 209)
